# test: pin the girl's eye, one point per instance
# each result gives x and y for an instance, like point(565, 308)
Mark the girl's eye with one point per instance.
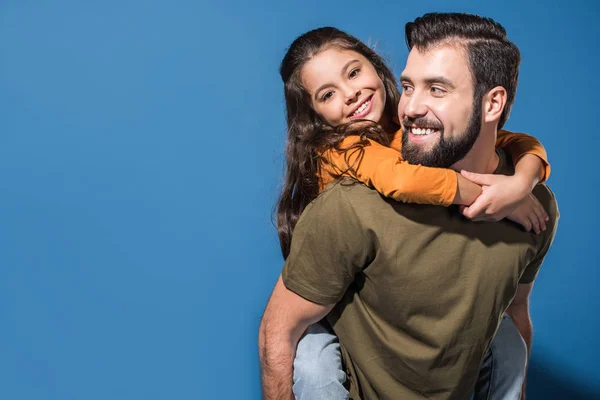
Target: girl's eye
point(354, 72)
point(327, 96)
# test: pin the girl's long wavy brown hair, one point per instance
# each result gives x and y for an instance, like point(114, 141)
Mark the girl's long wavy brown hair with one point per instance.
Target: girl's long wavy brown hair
point(307, 133)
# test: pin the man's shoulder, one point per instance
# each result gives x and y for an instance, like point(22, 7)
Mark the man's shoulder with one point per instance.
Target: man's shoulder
point(350, 191)
point(343, 198)
point(346, 186)
point(548, 201)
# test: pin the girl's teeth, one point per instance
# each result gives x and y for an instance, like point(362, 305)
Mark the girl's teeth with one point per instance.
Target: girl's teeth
point(362, 108)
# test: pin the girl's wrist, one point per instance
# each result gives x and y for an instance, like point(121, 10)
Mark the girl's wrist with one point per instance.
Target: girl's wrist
point(466, 191)
point(530, 169)
point(523, 183)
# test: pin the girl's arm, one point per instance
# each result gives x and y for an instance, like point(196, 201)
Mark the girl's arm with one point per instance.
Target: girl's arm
point(500, 189)
point(521, 146)
point(384, 169)
point(531, 167)
point(508, 197)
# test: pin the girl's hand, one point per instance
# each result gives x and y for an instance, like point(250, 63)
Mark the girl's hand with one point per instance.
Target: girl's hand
point(505, 197)
point(529, 213)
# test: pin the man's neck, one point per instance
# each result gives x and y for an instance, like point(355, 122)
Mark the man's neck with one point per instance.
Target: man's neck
point(482, 157)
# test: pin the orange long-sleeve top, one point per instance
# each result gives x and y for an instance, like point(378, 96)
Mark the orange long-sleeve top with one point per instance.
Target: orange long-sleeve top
point(384, 169)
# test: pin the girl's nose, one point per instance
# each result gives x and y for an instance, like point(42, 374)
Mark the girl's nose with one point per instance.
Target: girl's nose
point(351, 94)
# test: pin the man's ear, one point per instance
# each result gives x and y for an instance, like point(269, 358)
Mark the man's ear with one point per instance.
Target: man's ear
point(493, 104)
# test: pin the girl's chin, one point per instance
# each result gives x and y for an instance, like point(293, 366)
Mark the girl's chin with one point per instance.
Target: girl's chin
point(368, 117)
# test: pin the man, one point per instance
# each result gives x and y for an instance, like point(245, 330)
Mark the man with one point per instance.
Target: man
point(415, 293)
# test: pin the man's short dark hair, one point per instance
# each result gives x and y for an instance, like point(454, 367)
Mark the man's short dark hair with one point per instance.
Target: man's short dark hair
point(493, 59)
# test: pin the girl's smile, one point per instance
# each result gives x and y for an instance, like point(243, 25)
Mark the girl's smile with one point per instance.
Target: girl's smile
point(362, 109)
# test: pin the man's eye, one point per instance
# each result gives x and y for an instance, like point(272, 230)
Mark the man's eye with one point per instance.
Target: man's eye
point(437, 90)
point(406, 89)
point(327, 96)
point(354, 72)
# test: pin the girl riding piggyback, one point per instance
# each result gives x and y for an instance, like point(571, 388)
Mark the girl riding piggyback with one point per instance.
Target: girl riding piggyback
point(341, 110)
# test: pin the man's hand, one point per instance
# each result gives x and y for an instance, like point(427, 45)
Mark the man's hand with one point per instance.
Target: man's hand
point(285, 319)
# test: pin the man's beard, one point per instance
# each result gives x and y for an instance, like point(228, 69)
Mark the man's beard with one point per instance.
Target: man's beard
point(444, 153)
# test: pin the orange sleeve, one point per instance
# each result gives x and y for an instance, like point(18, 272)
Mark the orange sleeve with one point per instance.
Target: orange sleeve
point(519, 144)
point(384, 169)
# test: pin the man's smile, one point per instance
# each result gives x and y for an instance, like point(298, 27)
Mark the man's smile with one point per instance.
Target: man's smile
point(423, 131)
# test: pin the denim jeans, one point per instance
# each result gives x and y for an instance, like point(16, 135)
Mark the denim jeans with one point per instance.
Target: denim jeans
point(503, 368)
point(318, 370)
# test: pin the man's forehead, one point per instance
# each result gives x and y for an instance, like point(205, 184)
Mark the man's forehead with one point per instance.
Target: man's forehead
point(443, 60)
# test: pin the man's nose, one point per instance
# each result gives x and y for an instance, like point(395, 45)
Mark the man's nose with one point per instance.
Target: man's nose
point(414, 106)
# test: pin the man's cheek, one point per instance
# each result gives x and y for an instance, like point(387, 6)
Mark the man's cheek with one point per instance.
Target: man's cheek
point(401, 107)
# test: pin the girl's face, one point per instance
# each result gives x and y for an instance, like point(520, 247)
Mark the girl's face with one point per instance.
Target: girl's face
point(343, 86)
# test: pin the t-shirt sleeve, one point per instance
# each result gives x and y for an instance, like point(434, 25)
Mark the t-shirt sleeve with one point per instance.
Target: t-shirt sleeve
point(519, 144)
point(383, 169)
point(329, 246)
point(548, 201)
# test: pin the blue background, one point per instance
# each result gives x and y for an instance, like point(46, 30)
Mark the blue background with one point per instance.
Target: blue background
point(140, 161)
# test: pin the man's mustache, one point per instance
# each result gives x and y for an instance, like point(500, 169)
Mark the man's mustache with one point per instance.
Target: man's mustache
point(422, 122)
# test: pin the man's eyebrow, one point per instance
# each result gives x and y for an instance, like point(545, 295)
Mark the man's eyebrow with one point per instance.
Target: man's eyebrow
point(431, 81)
point(440, 79)
point(344, 69)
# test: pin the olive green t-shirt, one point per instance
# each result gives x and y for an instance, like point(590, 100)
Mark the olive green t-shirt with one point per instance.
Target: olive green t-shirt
point(419, 290)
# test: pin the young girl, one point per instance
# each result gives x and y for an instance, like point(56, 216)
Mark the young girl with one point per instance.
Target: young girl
point(335, 85)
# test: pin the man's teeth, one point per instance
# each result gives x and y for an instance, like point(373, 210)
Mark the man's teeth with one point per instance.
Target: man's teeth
point(362, 107)
point(422, 131)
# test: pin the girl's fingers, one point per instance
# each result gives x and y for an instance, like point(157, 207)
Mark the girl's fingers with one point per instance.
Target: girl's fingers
point(540, 213)
point(535, 223)
point(541, 218)
point(525, 222)
point(480, 179)
point(474, 211)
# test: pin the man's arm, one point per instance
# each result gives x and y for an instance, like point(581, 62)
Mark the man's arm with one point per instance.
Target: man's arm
point(285, 319)
point(519, 312)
